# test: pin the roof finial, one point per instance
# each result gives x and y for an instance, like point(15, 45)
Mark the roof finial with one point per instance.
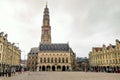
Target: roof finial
point(46, 4)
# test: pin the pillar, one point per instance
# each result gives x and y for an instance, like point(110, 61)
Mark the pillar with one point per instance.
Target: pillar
point(37, 68)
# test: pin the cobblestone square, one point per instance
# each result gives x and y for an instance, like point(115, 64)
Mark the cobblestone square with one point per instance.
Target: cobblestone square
point(63, 76)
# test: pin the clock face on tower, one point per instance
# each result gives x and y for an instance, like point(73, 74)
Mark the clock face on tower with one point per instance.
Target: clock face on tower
point(46, 30)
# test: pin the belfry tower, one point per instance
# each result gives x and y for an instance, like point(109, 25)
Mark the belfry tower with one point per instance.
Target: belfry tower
point(46, 28)
point(64, 58)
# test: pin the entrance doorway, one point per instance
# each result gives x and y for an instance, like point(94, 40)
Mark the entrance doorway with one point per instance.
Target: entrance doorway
point(58, 68)
point(43, 68)
point(48, 68)
point(63, 68)
point(53, 68)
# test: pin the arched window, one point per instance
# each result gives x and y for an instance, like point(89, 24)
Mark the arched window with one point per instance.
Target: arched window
point(44, 60)
point(66, 60)
point(55, 60)
point(59, 60)
point(63, 60)
point(51, 60)
point(40, 60)
point(48, 60)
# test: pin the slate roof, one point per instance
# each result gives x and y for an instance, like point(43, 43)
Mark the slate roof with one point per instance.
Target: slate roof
point(54, 47)
point(34, 50)
point(113, 46)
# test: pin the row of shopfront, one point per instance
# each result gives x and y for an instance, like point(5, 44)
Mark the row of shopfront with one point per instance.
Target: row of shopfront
point(10, 55)
point(111, 69)
point(6, 68)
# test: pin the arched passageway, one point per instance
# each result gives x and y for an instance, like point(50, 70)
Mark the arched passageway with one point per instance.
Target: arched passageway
point(53, 68)
point(48, 68)
point(43, 68)
point(63, 68)
point(58, 68)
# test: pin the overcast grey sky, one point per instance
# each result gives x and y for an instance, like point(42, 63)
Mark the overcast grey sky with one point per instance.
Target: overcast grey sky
point(82, 23)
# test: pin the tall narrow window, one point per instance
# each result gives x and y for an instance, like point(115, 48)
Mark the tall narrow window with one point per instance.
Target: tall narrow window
point(55, 60)
point(59, 60)
point(40, 60)
point(66, 60)
point(44, 60)
point(48, 60)
point(63, 60)
point(51, 60)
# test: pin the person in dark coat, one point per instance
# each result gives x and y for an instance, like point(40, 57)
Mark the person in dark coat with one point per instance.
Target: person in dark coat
point(9, 72)
point(6, 72)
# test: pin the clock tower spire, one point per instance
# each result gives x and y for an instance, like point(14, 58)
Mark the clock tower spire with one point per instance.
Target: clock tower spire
point(46, 28)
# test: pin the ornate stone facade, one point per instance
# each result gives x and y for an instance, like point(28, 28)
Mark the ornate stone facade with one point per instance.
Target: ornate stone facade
point(46, 28)
point(50, 56)
point(55, 57)
point(32, 60)
point(10, 55)
point(106, 58)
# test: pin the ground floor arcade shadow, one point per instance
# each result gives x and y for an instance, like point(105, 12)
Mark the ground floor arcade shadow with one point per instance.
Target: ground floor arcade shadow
point(53, 68)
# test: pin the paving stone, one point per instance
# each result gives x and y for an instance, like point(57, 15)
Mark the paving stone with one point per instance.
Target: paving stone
point(64, 76)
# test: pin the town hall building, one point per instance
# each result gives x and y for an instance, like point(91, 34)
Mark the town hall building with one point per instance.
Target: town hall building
point(50, 56)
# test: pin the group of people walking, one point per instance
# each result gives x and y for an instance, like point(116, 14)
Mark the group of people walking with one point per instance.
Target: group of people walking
point(8, 72)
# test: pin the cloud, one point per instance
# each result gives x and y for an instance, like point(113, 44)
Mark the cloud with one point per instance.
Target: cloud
point(84, 23)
